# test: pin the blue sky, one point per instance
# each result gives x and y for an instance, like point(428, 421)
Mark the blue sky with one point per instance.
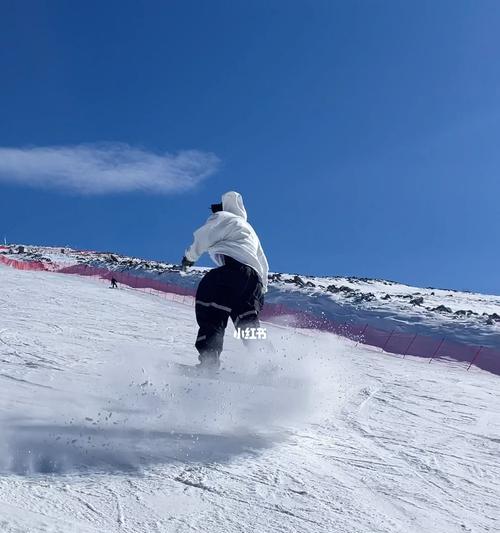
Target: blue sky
point(364, 136)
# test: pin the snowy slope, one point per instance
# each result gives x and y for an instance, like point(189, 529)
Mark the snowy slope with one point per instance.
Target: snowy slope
point(99, 435)
point(466, 317)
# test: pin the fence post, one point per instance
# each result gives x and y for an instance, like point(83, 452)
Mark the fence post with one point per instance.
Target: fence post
point(409, 345)
point(387, 341)
point(475, 357)
point(437, 350)
point(361, 334)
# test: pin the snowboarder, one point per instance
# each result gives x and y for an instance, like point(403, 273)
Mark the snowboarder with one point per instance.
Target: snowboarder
point(236, 288)
point(114, 283)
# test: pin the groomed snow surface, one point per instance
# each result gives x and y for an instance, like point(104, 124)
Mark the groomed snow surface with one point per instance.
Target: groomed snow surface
point(98, 433)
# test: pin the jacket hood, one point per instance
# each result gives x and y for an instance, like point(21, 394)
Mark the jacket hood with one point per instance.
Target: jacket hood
point(233, 203)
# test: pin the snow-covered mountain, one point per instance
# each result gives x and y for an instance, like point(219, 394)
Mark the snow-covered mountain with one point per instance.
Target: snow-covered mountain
point(467, 317)
point(98, 433)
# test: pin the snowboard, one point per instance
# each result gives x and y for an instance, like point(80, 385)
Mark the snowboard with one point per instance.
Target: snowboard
point(231, 376)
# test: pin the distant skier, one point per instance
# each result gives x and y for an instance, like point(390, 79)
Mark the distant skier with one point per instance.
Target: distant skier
point(236, 288)
point(114, 283)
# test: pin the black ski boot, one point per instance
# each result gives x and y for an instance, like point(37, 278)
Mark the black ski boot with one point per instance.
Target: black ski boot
point(209, 361)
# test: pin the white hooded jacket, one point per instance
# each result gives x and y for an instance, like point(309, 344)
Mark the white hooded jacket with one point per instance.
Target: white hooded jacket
point(227, 232)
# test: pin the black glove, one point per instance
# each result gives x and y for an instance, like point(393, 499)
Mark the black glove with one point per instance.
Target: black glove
point(186, 263)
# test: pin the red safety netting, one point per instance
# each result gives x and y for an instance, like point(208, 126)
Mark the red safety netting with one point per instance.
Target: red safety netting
point(397, 342)
point(391, 341)
point(125, 278)
point(23, 265)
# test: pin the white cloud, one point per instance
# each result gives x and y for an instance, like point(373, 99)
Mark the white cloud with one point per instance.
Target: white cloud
point(105, 168)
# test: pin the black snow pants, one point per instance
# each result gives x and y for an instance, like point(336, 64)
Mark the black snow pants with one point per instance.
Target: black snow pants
point(232, 290)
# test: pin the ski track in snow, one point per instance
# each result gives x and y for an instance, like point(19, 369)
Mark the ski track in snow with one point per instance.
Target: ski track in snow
point(98, 435)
